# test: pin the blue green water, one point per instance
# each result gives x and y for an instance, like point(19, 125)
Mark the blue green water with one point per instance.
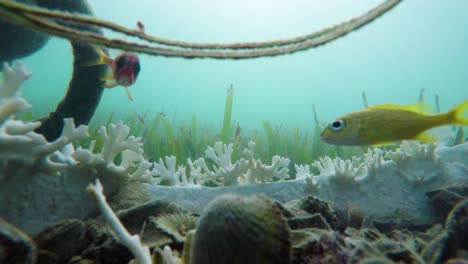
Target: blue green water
point(420, 43)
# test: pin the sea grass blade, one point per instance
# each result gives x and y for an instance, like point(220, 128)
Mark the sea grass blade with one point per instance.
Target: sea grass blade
point(225, 132)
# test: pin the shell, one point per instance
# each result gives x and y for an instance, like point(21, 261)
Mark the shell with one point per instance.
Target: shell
point(237, 229)
point(15, 246)
point(176, 226)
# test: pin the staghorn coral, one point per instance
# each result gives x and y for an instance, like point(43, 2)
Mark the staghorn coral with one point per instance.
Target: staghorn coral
point(30, 197)
point(258, 172)
point(21, 146)
point(115, 141)
point(374, 159)
point(169, 174)
point(223, 171)
point(339, 172)
point(416, 162)
point(221, 154)
point(303, 172)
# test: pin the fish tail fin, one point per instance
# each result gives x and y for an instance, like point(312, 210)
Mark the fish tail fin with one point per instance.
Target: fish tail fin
point(459, 114)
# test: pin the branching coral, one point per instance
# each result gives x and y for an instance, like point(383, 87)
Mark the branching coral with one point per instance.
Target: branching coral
point(18, 141)
point(373, 159)
point(223, 171)
point(342, 172)
point(258, 172)
point(303, 172)
point(116, 140)
point(223, 168)
point(416, 162)
point(169, 174)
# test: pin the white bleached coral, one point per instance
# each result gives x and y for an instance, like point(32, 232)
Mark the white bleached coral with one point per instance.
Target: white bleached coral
point(116, 140)
point(344, 172)
point(223, 168)
point(416, 162)
point(30, 150)
point(13, 78)
point(18, 141)
point(167, 171)
point(259, 172)
point(311, 180)
point(222, 171)
point(374, 159)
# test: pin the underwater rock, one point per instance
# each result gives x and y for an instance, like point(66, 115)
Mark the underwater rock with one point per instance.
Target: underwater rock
point(456, 225)
point(313, 205)
point(140, 220)
point(456, 261)
point(35, 201)
point(397, 220)
point(131, 195)
point(15, 246)
point(79, 241)
point(59, 243)
point(176, 226)
point(436, 250)
point(134, 218)
point(329, 247)
point(236, 229)
point(311, 221)
point(444, 199)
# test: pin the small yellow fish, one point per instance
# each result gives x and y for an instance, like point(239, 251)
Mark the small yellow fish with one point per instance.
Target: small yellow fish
point(387, 123)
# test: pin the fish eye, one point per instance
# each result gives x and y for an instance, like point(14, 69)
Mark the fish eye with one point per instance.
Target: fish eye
point(120, 62)
point(136, 68)
point(337, 125)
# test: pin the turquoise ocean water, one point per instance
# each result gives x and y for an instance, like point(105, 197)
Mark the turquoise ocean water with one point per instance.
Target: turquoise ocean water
point(420, 43)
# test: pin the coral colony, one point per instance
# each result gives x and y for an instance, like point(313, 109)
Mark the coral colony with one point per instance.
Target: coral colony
point(44, 182)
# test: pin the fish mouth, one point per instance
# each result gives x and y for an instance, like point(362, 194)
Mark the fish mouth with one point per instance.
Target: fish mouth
point(325, 139)
point(125, 77)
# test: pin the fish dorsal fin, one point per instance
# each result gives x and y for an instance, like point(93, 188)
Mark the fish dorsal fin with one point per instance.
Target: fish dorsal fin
point(419, 107)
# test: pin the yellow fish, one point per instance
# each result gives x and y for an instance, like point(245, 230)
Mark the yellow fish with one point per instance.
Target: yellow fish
point(387, 123)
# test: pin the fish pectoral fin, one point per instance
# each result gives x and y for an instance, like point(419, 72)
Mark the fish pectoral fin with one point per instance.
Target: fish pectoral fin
point(381, 144)
point(107, 75)
point(110, 84)
point(425, 137)
point(102, 59)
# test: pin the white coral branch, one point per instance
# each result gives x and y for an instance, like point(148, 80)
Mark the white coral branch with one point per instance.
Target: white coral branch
point(166, 170)
point(132, 242)
point(415, 161)
point(303, 172)
point(349, 170)
point(259, 172)
point(115, 141)
point(221, 154)
point(413, 149)
point(324, 165)
point(374, 160)
point(13, 78)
